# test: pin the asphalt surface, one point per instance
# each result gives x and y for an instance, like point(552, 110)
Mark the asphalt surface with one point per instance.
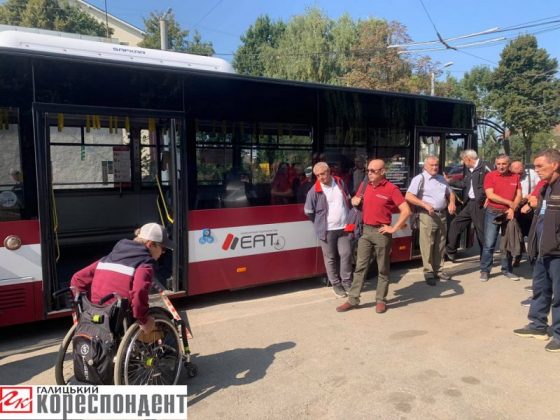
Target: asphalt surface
point(283, 352)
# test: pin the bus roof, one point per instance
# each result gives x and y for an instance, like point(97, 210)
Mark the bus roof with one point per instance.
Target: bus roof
point(108, 51)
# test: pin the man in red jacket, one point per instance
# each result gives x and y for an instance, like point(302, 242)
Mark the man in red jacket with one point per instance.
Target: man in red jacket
point(127, 271)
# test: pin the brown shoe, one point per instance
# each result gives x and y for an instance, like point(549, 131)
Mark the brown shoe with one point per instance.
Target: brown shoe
point(346, 306)
point(380, 307)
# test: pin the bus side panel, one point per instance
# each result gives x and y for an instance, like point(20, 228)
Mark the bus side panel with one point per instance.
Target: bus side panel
point(241, 247)
point(235, 273)
point(20, 273)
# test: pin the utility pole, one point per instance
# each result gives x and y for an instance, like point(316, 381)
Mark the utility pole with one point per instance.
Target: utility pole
point(433, 74)
point(163, 30)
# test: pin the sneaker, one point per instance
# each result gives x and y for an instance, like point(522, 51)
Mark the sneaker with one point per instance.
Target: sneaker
point(430, 279)
point(339, 291)
point(380, 307)
point(442, 275)
point(451, 257)
point(510, 275)
point(527, 302)
point(484, 276)
point(532, 333)
point(553, 346)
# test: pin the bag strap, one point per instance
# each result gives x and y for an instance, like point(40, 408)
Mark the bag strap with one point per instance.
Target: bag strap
point(421, 187)
point(362, 188)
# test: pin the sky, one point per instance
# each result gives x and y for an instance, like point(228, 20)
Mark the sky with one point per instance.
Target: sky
point(224, 21)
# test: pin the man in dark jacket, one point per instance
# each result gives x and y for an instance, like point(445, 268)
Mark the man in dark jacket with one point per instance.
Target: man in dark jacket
point(327, 206)
point(544, 246)
point(474, 196)
point(127, 271)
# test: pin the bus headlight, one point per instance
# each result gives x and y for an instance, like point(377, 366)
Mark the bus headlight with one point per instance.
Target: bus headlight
point(12, 242)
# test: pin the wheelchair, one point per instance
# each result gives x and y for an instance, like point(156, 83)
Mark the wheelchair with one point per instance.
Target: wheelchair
point(141, 359)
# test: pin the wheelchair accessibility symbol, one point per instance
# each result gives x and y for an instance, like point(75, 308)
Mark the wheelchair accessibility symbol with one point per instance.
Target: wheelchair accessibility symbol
point(206, 237)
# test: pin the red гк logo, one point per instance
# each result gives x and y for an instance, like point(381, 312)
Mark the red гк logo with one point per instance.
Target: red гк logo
point(16, 399)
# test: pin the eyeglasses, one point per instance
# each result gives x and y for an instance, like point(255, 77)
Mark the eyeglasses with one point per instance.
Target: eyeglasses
point(374, 171)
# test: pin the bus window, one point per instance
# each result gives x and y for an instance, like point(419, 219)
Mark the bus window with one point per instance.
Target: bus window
point(89, 152)
point(241, 164)
point(454, 145)
point(11, 176)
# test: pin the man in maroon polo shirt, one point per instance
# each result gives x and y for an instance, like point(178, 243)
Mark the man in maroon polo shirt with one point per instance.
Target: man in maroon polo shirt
point(380, 199)
point(503, 193)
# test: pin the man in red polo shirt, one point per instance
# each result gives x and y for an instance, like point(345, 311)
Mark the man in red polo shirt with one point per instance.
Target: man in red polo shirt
point(380, 199)
point(503, 193)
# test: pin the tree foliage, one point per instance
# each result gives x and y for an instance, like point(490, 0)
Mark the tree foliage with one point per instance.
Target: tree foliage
point(313, 47)
point(177, 38)
point(374, 66)
point(525, 91)
point(50, 14)
point(249, 57)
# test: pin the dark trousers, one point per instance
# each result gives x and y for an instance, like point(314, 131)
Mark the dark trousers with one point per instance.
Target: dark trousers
point(546, 295)
point(472, 212)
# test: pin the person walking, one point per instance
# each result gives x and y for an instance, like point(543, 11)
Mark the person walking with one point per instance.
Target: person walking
point(474, 197)
point(503, 194)
point(432, 196)
point(544, 248)
point(327, 205)
point(379, 200)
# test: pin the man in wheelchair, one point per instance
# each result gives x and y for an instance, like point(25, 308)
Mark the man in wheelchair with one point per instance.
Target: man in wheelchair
point(127, 271)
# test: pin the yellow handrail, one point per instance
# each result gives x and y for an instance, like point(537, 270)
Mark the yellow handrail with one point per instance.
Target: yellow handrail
point(168, 216)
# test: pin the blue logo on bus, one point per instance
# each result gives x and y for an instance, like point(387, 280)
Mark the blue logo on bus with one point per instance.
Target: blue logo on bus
point(206, 237)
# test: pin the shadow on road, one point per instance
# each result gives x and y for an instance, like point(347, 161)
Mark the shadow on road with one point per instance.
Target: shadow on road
point(420, 291)
point(20, 371)
point(231, 368)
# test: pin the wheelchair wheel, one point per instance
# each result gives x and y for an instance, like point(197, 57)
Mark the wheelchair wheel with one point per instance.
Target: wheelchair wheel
point(64, 367)
point(153, 360)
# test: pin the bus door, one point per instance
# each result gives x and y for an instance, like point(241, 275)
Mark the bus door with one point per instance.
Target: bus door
point(103, 173)
point(20, 253)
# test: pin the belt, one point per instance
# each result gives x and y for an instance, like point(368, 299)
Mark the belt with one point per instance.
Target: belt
point(440, 212)
point(374, 226)
point(495, 211)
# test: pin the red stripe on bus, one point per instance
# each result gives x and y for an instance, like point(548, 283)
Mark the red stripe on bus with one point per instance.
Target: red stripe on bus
point(227, 242)
point(247, 216)
point(26, 230)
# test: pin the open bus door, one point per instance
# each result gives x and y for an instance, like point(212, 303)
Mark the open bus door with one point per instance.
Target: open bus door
point(20, 253)
point(102, 173)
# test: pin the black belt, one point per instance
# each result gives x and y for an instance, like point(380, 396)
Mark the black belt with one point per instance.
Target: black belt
point(374, 226)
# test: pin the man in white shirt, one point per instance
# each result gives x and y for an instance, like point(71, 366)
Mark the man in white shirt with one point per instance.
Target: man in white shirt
point(327, 206)
point(432, 196)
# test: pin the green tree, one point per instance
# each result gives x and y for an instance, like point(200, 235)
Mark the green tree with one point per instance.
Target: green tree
point(177, 38)
point(248, 58)
point(50, 14)
point(525, 91)
point(304, 50)
point(374, 66)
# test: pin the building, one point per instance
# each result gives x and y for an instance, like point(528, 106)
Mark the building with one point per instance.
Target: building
point(124, 32)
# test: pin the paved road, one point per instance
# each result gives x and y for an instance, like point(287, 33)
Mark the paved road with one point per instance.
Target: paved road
point(283, 352)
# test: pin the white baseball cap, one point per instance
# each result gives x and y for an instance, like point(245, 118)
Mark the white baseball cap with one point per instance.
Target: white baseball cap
point(155, 233)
